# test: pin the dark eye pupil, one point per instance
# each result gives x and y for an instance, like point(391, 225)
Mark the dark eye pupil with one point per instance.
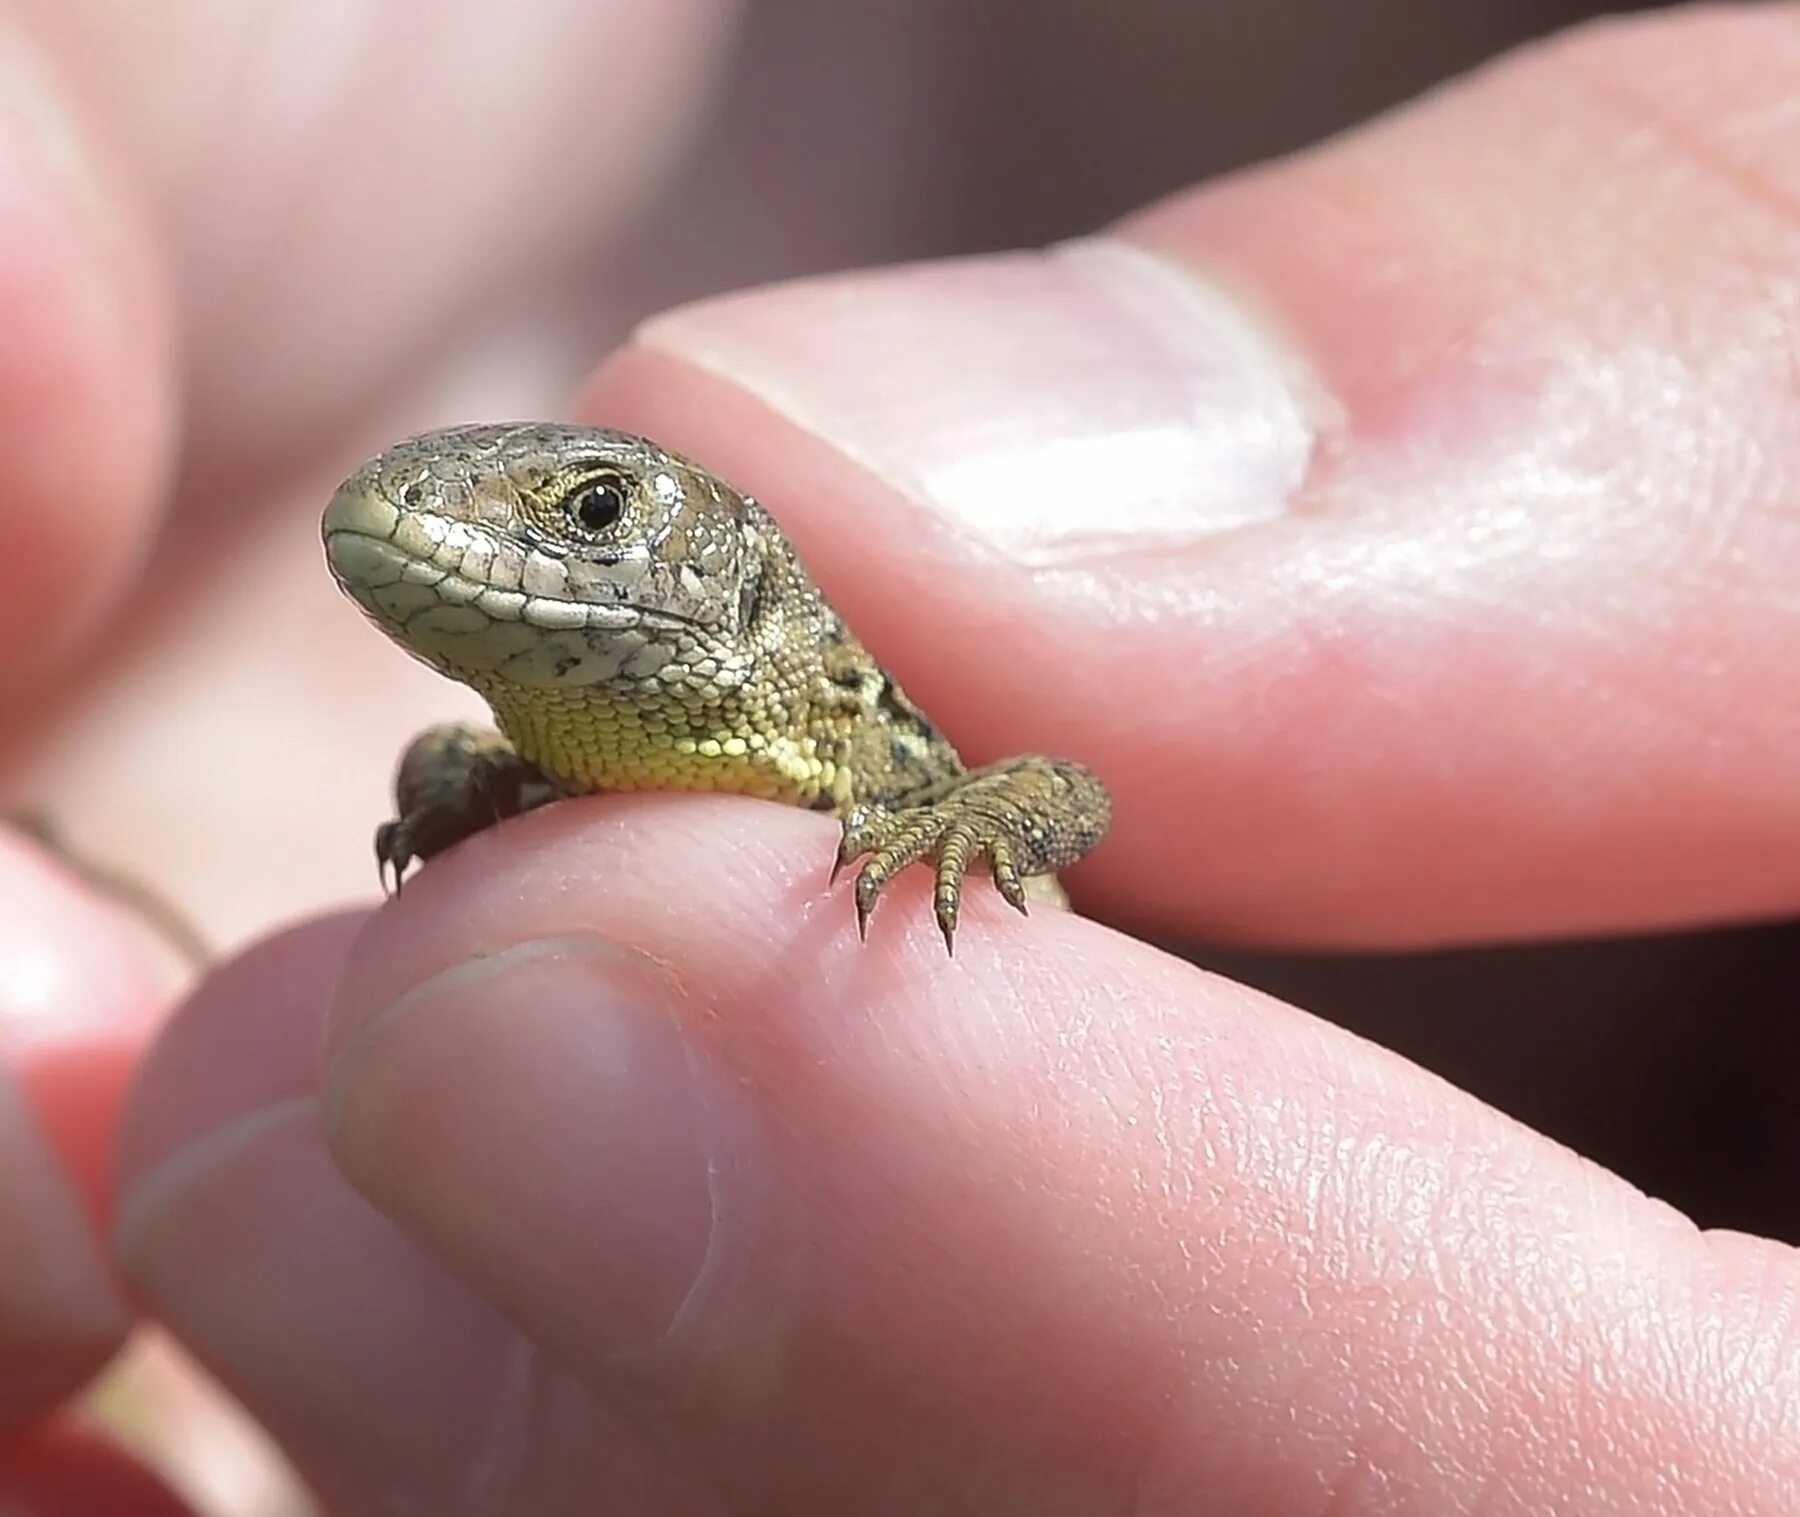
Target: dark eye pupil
point(600, 506)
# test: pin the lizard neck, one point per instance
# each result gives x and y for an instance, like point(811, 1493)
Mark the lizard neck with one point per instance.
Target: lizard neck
point(849, 737)
point(592, 740)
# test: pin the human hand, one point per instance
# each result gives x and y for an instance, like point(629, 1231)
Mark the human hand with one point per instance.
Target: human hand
point(1429, 586)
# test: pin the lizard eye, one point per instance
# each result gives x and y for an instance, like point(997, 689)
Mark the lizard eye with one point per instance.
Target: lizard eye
point(599, 503)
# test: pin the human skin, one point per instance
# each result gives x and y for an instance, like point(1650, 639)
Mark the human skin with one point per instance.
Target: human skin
point(1465, 615)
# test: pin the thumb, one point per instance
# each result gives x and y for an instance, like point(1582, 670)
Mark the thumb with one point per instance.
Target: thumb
point(1407, 531)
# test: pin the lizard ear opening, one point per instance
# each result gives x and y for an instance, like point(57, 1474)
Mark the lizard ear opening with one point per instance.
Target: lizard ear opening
point(750, 598)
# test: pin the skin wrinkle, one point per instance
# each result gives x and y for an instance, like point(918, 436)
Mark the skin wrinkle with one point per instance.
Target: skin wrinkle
point(1731, 1272)
point(1614, 91)
point(1369, 1179)
point(1529, 1327)
point(1775, 1328)
point(1713, 531)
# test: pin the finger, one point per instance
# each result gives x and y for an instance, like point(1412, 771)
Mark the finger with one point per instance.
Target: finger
point(301, 187)
point(374, 1369)
point(63, 1469)
point(1407, 531)
point(85, 371)
point(1064, 1225)
point(78, 998)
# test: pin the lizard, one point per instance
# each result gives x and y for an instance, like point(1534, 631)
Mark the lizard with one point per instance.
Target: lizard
point(635, 622)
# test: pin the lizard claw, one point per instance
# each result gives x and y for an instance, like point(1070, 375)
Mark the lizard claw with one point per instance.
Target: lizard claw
point(1028, 816)
point(454, 780)
point(845, 854)
point(868, 892)
point(391, 856)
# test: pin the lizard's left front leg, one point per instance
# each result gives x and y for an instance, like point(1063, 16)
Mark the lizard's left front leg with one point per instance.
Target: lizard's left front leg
point(454, 780)
point(1019, 818)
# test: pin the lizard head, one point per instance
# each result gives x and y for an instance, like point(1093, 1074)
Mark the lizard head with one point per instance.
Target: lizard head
point(543, 555)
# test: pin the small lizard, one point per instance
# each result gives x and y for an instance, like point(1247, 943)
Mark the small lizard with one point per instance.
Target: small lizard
point(636, 623)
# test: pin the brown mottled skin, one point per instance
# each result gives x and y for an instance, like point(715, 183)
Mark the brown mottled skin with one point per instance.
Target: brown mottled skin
point(636, 623)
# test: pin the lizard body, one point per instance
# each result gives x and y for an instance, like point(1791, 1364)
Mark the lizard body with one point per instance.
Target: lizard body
point(636, 623)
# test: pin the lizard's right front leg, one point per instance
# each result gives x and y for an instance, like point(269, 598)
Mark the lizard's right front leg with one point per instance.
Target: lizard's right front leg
point(454, 780)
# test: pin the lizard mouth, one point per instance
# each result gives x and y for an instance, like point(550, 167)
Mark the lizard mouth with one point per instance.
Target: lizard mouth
point(397, 587)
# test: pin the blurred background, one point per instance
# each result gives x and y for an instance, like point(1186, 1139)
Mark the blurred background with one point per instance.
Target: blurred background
point(799, 136)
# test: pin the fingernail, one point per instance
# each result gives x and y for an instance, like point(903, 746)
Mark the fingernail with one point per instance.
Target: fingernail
point(1058, 405)
point(538, 1118)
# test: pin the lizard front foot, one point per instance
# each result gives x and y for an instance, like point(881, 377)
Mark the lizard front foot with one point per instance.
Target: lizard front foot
point(454, 780)
point(1016, 819)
